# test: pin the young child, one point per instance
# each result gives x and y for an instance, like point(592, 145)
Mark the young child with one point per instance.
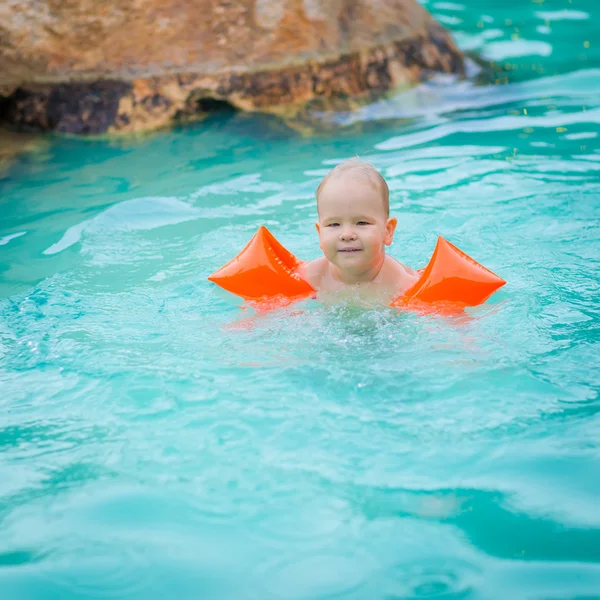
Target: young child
point(354, 228)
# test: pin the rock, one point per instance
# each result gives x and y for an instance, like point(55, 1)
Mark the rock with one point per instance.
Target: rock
point(92, 66)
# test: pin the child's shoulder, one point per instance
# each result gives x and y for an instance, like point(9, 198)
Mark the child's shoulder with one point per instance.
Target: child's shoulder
point(313, 271)
point(401, 276)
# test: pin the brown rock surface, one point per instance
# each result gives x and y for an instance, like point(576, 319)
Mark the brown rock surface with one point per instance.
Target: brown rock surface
point(90, 66)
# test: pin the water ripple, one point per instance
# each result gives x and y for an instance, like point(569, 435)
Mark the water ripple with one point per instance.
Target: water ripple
point(104, 570)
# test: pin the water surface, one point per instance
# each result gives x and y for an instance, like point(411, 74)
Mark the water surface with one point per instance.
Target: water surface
point(160, 442)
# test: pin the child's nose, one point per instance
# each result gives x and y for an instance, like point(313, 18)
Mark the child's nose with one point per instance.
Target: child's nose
point(347, 233)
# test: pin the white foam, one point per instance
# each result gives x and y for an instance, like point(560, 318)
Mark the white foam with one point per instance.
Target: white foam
point(468, 42)
point(435, 98)
point(562, 15)
point(516, 49)
point(584, 135)
point(449, 6)
point(504, 123)
point(448, 19)
point(12, 236)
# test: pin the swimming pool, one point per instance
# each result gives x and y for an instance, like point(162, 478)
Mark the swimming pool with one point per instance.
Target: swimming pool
point(159, 442)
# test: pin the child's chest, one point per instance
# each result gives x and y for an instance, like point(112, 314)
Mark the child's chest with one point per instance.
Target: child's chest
point(364, 294)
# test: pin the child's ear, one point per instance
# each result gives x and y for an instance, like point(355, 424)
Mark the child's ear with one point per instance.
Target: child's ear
point(390, 228)
point(318, 228)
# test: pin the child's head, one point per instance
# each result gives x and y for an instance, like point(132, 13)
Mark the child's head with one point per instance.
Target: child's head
point(354, 224)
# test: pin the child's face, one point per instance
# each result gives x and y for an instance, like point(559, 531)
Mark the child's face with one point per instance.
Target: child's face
point(353, 225)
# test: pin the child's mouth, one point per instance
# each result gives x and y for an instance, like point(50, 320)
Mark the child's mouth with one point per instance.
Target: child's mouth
point(350, 250)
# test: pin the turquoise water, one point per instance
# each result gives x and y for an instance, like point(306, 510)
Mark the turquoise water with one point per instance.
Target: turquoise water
point(158, 442)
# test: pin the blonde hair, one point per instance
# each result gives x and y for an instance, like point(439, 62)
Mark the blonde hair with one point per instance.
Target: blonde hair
point(366, 172)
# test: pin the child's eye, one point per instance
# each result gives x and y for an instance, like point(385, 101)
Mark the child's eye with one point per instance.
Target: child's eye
point(333, 225)
point(363, 223)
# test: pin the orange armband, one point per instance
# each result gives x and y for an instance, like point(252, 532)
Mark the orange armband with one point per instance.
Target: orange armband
point(264, 271)
point(452, 276)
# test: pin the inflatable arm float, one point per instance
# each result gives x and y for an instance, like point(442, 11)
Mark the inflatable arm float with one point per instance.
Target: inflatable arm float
point(265, 272)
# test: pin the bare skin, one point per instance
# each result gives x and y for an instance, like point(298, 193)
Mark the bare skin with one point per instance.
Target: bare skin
point(393, 280)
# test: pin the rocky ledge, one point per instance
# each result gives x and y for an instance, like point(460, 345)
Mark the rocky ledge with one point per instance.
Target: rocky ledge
point(93, 66)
